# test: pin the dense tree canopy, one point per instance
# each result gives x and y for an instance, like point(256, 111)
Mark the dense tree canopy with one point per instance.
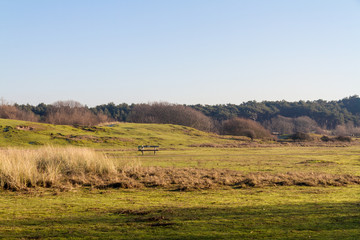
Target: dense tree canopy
point(327, 114)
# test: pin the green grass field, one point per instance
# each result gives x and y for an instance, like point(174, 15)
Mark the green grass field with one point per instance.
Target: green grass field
point(259, 213)
point(229, 211)
point(117, 135)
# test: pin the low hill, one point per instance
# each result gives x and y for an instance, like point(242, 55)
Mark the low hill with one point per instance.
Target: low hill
point(118, 135)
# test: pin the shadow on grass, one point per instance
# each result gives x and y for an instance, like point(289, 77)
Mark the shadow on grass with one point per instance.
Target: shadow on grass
point(316, 221)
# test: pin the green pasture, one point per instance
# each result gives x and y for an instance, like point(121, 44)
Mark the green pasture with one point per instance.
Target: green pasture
point(153, 213)
point(266, 213)
point(335, 160)
point(277, 212)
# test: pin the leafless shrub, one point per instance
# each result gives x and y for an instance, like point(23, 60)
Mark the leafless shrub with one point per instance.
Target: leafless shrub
point(245, 127)
point(280, 124)
point(347, 130)
point(9, 111)
point(73, 113)
point(167, 113)
point(306, 124)
point(300, 136)
point(285, 125)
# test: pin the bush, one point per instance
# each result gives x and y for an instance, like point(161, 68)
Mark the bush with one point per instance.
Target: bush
point(301, 137)
point(343, 139)
point(244, 127)
point(339, 138)
point(326, 139)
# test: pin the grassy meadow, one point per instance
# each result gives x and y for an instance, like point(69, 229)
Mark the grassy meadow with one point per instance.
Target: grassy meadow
point(125, 136)
point(60, 182)
point(256, 213)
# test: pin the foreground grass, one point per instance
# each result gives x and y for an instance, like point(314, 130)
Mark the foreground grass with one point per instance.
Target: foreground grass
point(256, 213)
point(54, 167)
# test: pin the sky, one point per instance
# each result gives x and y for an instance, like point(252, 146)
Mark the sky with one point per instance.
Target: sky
point(178, 51)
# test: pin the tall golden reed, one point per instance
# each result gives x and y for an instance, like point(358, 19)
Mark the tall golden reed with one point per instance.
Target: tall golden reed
point(49, 166)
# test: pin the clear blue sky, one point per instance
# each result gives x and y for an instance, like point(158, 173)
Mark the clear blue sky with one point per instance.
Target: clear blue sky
point(180, 51)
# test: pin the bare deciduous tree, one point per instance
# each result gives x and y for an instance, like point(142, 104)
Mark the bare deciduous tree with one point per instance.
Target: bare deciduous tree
point(72, 113)
point(9, 111)
point(285, 125)
point(347, 130)
point(305, 124)
point(167, 113)
point(245, 127)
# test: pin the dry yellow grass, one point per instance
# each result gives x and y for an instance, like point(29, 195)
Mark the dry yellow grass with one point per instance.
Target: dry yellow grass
point(195, 178)
point(68, 167)
point(52, 166)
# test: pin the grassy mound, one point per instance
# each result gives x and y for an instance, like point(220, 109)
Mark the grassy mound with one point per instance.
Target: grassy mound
point(123, 135)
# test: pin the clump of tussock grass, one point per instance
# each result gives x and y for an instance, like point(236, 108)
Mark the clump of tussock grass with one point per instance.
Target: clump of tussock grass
point(53, 166)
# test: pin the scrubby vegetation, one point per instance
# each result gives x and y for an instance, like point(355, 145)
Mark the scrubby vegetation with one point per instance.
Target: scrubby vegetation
point(244, 127)
point(300, 136)
point(8, 111)
point(167, 113)
point(285, 125)
point(73, 113)
point(334, 139)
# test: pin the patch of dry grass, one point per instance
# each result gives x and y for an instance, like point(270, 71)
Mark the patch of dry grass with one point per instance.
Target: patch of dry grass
point(194, 178)
point(69, 167)
point(52, 166)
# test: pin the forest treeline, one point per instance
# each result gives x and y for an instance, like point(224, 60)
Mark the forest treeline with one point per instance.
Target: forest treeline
point(342, 116)
point(327, 114)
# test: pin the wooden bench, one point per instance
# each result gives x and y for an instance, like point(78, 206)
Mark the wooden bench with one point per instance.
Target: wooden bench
point(146, 148)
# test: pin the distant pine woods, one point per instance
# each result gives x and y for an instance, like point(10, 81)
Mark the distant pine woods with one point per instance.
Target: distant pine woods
point(340, 117)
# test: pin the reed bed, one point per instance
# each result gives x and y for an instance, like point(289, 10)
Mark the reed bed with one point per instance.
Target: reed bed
point(68, 167)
